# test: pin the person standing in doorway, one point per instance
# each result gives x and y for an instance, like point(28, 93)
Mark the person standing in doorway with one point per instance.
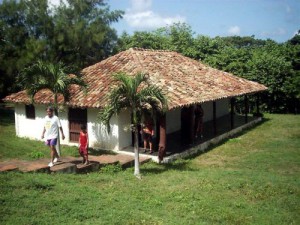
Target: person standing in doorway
point(50, 133)
point(148, 134)
point(83, 144)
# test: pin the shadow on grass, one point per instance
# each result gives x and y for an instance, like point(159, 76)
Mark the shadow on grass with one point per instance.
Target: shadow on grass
point(178, 165)
point(6, 116)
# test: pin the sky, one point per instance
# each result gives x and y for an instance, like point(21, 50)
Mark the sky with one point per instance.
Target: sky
point(278, 20)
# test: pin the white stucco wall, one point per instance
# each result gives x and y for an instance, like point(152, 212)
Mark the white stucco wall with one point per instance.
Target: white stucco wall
point(32, 128)
point(98, 135)
point(119, 135)
point(125, 135)
point(118, 138)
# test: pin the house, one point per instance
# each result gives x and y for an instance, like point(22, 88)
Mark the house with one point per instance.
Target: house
point(186, 82)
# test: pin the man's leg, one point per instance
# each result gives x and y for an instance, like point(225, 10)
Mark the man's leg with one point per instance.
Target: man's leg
point(53, 152)
point(145, 144)
point(150, 145)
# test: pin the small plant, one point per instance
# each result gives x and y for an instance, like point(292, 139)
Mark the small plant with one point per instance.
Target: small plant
point(36, 154)
point(111, 168)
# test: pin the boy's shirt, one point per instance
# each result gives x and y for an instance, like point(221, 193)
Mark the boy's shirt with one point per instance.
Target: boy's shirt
point(83, 139)
point(52, 125)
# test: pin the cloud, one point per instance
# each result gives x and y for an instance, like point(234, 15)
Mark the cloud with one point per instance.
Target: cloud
point(140, 16)
point(234, 30)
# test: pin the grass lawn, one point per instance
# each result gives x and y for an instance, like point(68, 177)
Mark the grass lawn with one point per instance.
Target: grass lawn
point(251, 179)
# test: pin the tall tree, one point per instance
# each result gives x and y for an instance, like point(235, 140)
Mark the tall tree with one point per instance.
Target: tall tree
point(136, 94)
point(82, 32)
point(51, 76)
point(22, 26)
point(78, 33)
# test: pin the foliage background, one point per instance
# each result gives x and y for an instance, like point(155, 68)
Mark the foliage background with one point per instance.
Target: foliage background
point(80, 34)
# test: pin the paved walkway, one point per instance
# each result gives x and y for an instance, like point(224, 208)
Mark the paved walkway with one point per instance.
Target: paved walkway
point(69, 164)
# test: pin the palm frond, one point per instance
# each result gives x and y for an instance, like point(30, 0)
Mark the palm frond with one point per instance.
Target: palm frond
point(134, 93)
point(52, 76)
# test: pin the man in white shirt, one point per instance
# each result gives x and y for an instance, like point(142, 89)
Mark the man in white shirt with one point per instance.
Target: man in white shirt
point(51, 127)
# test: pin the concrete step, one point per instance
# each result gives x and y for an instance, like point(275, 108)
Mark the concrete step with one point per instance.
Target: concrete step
point(8, 167)
point(128, 160)
point(125, 160)
point(69, 164)
point(104, 159)
point(91, 167)
point(64, 167)
point(144, 159)
point(14, 164)
point(35, 166)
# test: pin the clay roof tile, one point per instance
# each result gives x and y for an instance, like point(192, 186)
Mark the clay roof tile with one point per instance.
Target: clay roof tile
point(185, 81)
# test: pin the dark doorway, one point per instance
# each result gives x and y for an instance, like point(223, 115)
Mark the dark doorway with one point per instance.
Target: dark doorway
point(77, 117)
point(187, 124)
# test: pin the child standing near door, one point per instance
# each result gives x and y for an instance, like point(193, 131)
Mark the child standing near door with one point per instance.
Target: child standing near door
point(83, 144)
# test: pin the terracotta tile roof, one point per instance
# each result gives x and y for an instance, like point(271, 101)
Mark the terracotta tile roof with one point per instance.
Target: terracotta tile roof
point(185, 81)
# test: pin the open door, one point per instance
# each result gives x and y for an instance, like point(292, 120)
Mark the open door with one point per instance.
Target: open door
point(77, 117)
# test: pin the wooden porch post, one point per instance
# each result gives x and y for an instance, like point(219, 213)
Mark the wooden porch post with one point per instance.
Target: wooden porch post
point(192, 124)
point(215, 117)
point(232, 102)
point(246, 108)
point(162, 138)
point(257, 104)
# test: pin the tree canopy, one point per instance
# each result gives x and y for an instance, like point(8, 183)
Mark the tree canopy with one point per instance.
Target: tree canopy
point(77, 33)
point(276, 65)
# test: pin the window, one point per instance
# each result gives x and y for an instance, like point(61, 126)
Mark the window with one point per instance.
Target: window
point(30, 111)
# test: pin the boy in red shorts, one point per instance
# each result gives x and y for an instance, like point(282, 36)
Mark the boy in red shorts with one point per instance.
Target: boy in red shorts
point(83, 144)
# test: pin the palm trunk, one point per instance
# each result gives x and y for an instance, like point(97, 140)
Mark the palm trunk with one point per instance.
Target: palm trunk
point(56, 113)
point(136, 144)
point(136, 153)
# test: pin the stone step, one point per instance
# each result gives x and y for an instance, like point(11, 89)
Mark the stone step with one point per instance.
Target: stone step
point(144, 160)
point(35, 167)
point(14, 164)
point(125, 160)
point(104, 159)
point(70, 164)
point(128, 160)
point(91, 167)
point(64, 167)
point(8, 167)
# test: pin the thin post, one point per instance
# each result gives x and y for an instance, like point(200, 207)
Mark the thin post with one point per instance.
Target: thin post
point(246, 109)
point(232, 103)
point(162, 138)
point(192, 124)
point(215, 117)
point(257, 104)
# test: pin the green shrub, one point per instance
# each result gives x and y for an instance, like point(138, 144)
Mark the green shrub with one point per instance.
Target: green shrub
point(114, 168)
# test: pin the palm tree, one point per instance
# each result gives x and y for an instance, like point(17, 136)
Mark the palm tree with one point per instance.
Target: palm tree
point(136, 94)
point(51, 76)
